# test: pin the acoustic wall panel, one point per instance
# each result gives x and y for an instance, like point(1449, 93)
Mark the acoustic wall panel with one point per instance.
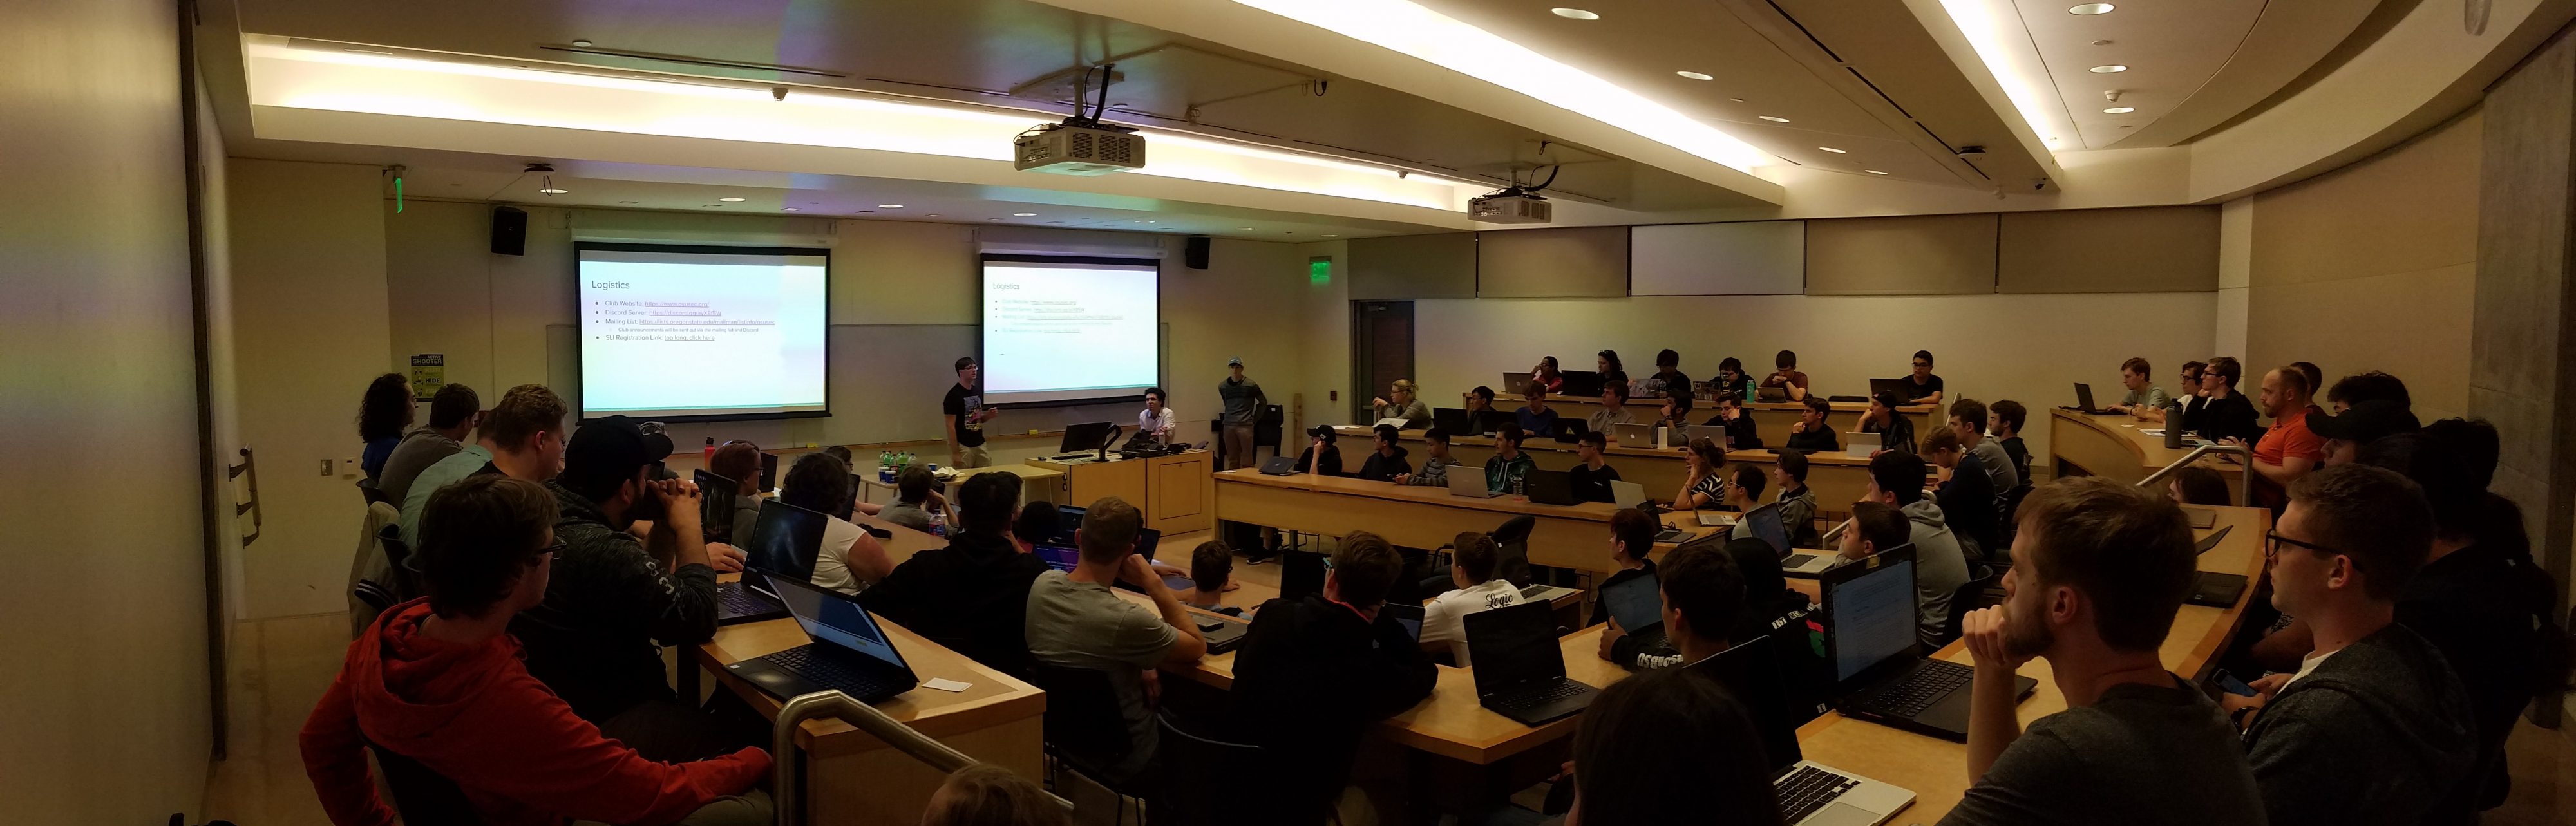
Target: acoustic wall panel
point(1557, 262)
point(1404, 267)
point(1906, 255)
point(1746, 258)
point(2138, 250)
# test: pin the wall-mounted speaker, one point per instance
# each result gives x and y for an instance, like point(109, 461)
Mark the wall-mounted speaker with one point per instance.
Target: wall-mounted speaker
point(509, 231)
point(1196, 252)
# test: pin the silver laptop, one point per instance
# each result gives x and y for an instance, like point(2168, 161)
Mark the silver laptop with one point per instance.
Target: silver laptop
point(1465, 480)
point(1633, 435)
point(1860, 444)
point(1712, 432)
point(1627, 494)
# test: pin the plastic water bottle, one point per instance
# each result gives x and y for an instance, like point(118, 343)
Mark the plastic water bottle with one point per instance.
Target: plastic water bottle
point(938, 522)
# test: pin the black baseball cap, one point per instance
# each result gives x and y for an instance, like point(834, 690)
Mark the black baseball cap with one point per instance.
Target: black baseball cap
point(2366, 422)
point(609, 450)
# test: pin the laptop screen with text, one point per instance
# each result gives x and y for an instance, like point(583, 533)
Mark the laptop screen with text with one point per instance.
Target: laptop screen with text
point(1872, 615)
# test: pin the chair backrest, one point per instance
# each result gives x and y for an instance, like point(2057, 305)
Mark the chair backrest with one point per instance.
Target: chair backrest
point(422, 795)
point(1266, 427)
point(1512, 540)
point(405, 574)
point(1970, 596)
point(1084, 722)
point(1203, 780)
point(370, 576)
point(368, 490)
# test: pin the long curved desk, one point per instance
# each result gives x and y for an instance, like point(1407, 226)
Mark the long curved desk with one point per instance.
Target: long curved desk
point(2083, 444)
point(1566, 536)
point(1837, 478)
point(1771, 417)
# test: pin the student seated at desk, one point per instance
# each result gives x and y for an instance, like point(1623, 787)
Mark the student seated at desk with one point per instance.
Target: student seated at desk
point(384, 414)
point(452, 411)
point(1592, 476)
point(1669, 377)
point(1670, 746)
point(1508, 466)
point(1612, 371)
point(1444, 624)
point(1705, 486)
point(1702, 595)
point(1731, 378)
point(1787, 376)
point(2225, 413)
point(1387, 458)
point(1968, 422)
point(1545, 374)
point(739, 461)
point(2347, 392)
point(1740, 431)
point(985, 794)
point(850, 559)
point(1744, 495)
point(1630, 528)
point(1675, 414)
point(439, 680)
point(1940, 566)
point(2105, 567)
point(1750, 589)
point(1478, 402)
point(1314, 673)
point(1967, 498)
point(2192, 398)
point(1895, 431)
point(1614, 408)
point(1921, 386)
point(1797, 501)
point(1435, 469)
point(1321, 456)
point(1534, 417)
point(972, 595)
point(1076, 621)
point(2008, 417)
point(1399, 403)
point(522, 437)
point(1211, 566)
point(2143, 395)
point(1156, 420)
point(1812, 432)
point(916, 498)
point(1036, 524)
point(2199, 485)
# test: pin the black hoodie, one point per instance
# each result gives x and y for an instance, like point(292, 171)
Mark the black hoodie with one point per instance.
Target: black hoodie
point(2378, 733)
point(1310, 679)
point(972, 596)
point(610, 607)
point(1385, 468)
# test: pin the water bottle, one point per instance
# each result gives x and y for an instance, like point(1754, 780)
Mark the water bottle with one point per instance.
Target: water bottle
point(939, 522)
point(2173, 425)
point(711, 448)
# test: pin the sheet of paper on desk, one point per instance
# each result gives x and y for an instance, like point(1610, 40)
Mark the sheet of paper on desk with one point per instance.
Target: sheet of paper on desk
point(945, 684)
point(2151, 431)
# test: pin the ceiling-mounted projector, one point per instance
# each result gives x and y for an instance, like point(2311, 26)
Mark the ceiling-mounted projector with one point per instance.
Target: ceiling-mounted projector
point(1081, 145)
point(1511, 206)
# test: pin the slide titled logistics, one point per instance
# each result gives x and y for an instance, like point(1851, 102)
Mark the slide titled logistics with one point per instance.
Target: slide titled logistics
point(1055, 331)
point(713, 333)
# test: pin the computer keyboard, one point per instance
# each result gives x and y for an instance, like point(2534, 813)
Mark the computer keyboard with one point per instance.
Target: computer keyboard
point(740, 601)
point(1537, 694)
point(1808, 789)
point(825, 672)
point(1927, 684)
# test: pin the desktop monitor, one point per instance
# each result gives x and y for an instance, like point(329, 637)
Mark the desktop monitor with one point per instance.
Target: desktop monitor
point(1086, 437)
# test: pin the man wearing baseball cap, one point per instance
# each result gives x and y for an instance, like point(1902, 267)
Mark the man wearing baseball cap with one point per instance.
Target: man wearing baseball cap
point(612, 601)
point(1243, 400)
point(966, 413)
point(2359, 425)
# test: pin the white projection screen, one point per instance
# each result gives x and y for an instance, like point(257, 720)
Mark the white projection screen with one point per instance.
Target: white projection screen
point(703, 333)
point(1067, 329)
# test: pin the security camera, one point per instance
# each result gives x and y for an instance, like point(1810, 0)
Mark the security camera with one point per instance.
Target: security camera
point(2037, 184)
point(778, 93)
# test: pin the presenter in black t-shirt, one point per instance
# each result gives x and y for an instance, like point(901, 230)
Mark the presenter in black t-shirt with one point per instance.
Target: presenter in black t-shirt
point(1922, 387)
point(966, 414)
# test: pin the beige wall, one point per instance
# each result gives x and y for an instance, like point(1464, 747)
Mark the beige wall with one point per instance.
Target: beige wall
point(2028, 347)
point(2373, 267)
point(106, 718)
point(308, 314)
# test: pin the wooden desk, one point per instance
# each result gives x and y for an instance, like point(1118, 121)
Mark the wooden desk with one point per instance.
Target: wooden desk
point(1566, 536)
point(2112, 446)
point(1768, 417)
point(1037, 484)
point(1174, 492)
point(1838, 479)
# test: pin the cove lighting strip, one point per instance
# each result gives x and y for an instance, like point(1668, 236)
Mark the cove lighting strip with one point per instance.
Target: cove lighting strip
point(1995, 30)
point(328, 78)
point(1446, 42)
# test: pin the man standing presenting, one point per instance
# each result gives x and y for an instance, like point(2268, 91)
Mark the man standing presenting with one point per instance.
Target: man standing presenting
point(966, 414)
point(1243, 403)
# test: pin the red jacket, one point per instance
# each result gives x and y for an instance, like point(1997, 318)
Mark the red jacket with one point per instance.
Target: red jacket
point(475, 716)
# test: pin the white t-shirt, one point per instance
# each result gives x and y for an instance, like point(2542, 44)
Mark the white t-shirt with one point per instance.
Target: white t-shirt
point(1160, 426)
point(1444, 620)
point(832, 564)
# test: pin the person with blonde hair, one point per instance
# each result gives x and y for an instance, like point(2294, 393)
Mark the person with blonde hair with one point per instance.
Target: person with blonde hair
point(1400, 403)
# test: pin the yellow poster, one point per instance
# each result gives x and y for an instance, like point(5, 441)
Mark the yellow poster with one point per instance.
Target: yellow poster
point(428, 373)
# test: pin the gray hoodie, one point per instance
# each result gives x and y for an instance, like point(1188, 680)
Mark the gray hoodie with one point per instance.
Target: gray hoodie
point(1939, 568)
point(2378, 733)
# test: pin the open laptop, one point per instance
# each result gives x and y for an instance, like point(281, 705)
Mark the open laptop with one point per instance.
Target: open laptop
point(715, 507)
point(1407, 615)
point(1632, 495)
point(2084, 401)
point(1633, 435)
point(1896, 386)
point(1768, 528)
point(1774, 394)
point(784, 544)
point(1549, 487)
point(1638, 608)
point(1520, 671)
point(1301, 573)
point(768, 472)
point(2212, 540)
point(1859, 444)
point(1279, 466)
point(1811, 794)
point(1060, 557)
point(849, 651)
point(1712, 432)
point(1469, 481)
point(1880, 671)
point(1514, 383)
point(1450, 420)
point(1570, 429)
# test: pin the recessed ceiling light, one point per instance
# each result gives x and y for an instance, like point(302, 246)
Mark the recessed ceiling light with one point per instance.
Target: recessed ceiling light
point(1873, 172)
point(1696, 75)
point(930, 216)
point(582, 43)
point(554, 191)
point(715, 205)
point(1330, 235)
point(2119, 110)
point(2108, 70)
point(1773, 118)
point(1574, 14)
point(627, 202)
point(2091, 9)
point(1243, 229)
point(790, 209)
point(1832, 150)
point(1738, 100)
point(889, 206)
point(1024, 215)
point(730, 200)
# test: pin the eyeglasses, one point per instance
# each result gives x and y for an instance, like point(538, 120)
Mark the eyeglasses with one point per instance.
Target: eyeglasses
point(2272, 542)
point(1922, 364)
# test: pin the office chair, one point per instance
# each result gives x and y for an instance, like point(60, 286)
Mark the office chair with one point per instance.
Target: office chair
point(1085, 728)
point(421, 795)
point(1982, 590)
point(1202, 780)
point(1513, 539)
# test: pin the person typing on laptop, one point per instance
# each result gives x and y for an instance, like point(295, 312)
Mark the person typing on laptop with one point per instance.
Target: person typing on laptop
point(1475, 558)
point(1508, 466)
point(1629, 528)
point(1211, 565)
point(1075, 621)
point(1731, 378)
point(1435, 469)
point(439, 680)
point(1787, 377)
point(849, 559)
point(1703, 596)
point(1671, 747)
point(1614, 409)
point(1591, 477)
point(1896, 480)
point(1797, 501)
point(1535, 417)
point(2143, 395)
point(1314, 673)
point(1386, 458)
point(2104, 567)
point(972, 595)
point(1811, 432)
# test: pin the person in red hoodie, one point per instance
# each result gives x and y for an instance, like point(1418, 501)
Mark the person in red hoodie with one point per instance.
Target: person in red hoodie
point(438, 680)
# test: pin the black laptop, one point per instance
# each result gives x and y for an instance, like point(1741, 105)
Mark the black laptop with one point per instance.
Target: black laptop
point(783, 545)
point(715, 506)
point(1549, 487)
point(1279, 466)
point(1811, 794)
point(1881, 673)
point(1407, 615)
point(1520, 671)
point(1637, 605)
point(849, 651)
point(1897, 386)
point(1300, 573)
point(768, 472)
point(2084, 402)
point(1450, 420)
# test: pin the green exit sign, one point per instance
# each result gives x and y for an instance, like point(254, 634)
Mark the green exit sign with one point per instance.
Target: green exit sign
point(1319, 270)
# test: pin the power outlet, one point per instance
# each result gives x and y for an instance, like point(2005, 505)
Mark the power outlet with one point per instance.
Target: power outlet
point(348, 466)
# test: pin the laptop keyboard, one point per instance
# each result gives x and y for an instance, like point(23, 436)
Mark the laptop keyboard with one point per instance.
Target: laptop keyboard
point(739, 601)
point(1926, 685)
point(1538, 694)
point(825, 672)
point(1807, 790)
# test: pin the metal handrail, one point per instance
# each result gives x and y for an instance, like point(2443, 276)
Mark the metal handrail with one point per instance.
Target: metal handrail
point(2244, 493)
point(1827, 541)
point(864, 717)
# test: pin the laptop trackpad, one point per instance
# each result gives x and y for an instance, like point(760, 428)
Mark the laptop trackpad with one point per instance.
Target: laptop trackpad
point(1840, 814)
point(1950, 714)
